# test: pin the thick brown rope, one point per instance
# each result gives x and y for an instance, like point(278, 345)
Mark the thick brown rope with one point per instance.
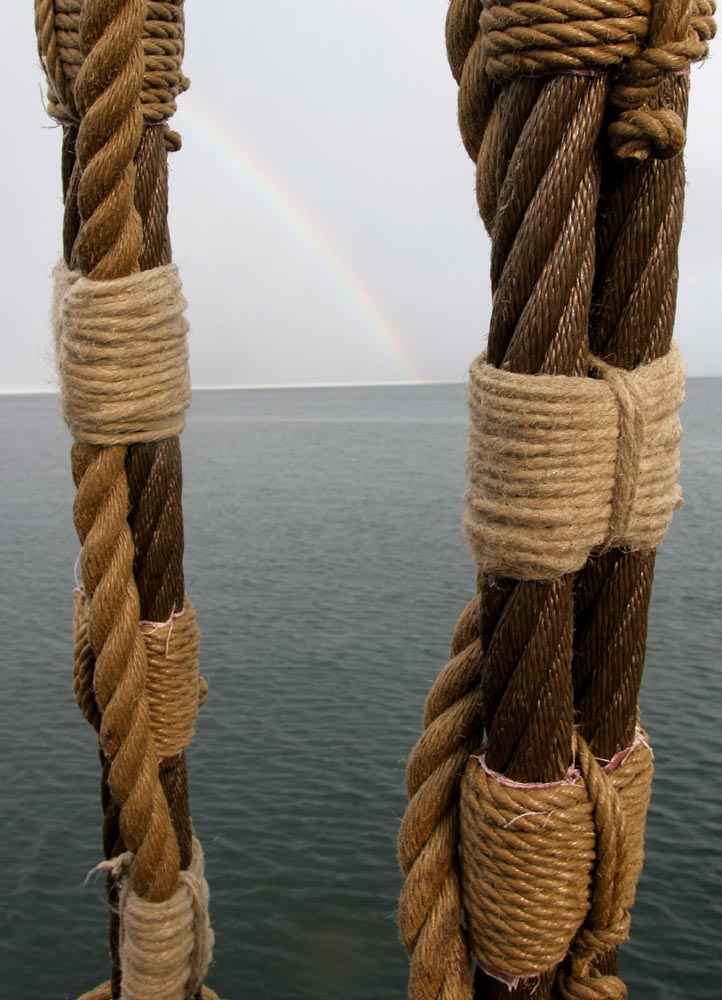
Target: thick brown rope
point(522, 660)
point(107, 92)
point(542, 265)
point(560, 36)
point(430, 914)
point(162, 41)
point(57, 26)
point(119, 675)
point(480, 127)
point(478, 109)
point(640, 222)
point(155, 482)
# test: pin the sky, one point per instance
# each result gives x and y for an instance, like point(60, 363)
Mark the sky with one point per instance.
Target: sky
point(322, 207)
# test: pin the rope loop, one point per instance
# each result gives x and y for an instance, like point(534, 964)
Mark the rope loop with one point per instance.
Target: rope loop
point(679, 33)
point(642, 42)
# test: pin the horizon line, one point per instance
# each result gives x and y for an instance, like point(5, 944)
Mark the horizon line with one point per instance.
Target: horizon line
point(254, 387)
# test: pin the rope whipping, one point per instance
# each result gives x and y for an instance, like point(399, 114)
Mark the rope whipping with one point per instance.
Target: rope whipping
point(115, 185)
point(495, 52)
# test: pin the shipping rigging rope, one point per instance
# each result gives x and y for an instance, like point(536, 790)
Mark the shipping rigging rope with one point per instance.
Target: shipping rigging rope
point(545, 673)
point(114, 72)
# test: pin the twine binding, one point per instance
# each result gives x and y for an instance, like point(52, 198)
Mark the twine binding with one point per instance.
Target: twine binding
point(551, 869)
point(560, 468)
point(122, 355)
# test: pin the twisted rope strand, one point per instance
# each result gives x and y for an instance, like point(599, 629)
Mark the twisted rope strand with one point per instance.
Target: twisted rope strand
point(120, 668)
point(107, 91)
point(430, 904)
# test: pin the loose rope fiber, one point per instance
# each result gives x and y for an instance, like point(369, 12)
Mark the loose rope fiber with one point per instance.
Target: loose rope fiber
point(549, 867)
point(559, 468)
point(122, 356)
point(165, 947)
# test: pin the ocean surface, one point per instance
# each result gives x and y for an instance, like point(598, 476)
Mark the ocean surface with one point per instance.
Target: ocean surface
point(327, 567)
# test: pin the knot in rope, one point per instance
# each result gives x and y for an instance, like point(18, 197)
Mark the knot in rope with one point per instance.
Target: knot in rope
point(549, 868)
point(679, 33)
point(643, 42)
point(527, 854)
point(561, 467)
point(122, 355)
point(590, 987)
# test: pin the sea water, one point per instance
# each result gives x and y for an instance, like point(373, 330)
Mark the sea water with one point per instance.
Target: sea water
point(326, 563)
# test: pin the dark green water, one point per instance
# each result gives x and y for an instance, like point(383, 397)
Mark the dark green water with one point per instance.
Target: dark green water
point(325, 560)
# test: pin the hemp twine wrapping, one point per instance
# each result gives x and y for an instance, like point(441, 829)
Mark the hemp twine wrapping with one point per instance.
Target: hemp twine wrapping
point(165, 948)
point(122, 355)
point(559, 468)
point(174, 686)
point(549, 867)
point(173, 681)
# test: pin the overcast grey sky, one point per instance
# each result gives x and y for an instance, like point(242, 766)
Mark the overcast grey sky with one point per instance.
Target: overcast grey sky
point(322, 207)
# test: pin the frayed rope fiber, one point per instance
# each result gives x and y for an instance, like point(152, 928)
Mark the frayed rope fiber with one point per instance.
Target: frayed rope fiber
point(559, 468)
point(122, 355)
point(165, 948)
point(552, 869)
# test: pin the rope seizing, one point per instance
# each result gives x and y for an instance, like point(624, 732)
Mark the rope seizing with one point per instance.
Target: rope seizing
point(122, 356)
point(559, 468)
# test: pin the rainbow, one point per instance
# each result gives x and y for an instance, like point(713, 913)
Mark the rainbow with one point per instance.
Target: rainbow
point(288, 211)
